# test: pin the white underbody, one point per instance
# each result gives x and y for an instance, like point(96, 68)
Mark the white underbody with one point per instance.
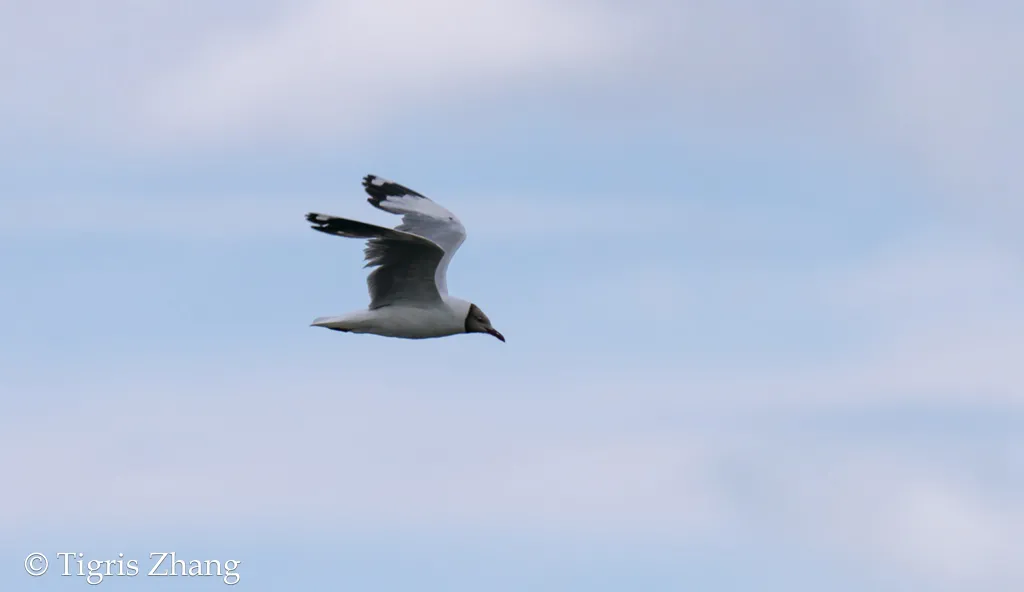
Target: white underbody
point(404, 320)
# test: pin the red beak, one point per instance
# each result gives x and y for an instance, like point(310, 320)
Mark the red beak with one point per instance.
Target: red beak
point(496, 334)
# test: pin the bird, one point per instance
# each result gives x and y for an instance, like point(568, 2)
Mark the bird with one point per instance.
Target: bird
point(408, 286)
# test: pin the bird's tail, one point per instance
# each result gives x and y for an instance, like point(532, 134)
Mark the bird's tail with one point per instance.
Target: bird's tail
point(337, 323)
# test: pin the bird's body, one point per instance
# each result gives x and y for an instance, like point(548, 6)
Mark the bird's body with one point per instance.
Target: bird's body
point(408, 289)
point(410, 322)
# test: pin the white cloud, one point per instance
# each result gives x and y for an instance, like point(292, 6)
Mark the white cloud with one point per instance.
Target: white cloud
point(917, 516)
point(346, 66)
point(923, 281)
point(942, 320)
point(937, 85)
point(926, 90)
point(72, 70)
point(371, 459)
point(355, 455)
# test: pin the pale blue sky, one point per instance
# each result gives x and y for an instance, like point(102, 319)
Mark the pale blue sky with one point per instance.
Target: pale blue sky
point(759, 268)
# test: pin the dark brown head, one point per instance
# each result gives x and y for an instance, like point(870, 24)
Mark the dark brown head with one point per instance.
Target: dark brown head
point(477, 322)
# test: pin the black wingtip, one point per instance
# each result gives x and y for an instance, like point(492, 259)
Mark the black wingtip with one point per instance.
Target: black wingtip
point(376, 195)
point(319, 221)
point(345, 227)
point(380, 188)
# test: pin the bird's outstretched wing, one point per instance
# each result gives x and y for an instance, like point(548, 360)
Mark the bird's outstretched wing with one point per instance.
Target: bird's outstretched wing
point(420, 216)
point(405, 263)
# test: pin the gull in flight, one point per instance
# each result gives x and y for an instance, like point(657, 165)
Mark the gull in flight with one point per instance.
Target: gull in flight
point(408, 290)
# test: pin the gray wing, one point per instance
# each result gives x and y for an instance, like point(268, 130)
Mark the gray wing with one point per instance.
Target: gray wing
point(405, 263)
point(421, 216)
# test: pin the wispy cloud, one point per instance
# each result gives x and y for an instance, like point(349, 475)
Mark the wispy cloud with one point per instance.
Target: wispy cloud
point(898, 80)
point(216, 457)
point(897, 507)
point(346, 66)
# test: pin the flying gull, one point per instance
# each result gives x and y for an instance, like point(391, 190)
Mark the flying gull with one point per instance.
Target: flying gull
point(408, 290)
